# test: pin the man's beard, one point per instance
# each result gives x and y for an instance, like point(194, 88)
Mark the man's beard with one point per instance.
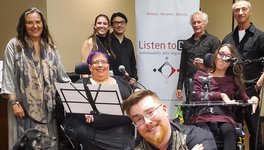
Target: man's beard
point(158, 137)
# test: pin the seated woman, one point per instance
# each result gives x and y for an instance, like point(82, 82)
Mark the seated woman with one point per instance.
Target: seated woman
point(101, 131)
point(226, 84)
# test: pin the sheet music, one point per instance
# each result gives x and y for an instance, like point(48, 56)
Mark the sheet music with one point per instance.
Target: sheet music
point(107, 99)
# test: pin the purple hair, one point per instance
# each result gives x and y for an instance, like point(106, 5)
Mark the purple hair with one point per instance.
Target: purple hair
point(95, 53)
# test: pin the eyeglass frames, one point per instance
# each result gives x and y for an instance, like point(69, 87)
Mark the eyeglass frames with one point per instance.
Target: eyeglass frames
point(149, 114)
point(119, 23)
point(97, 62)
point(223, 56)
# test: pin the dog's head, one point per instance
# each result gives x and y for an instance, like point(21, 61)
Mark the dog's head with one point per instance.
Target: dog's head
point(33, 139)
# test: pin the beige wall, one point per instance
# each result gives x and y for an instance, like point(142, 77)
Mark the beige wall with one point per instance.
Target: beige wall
point(10, 11)
point(220, 15)
point(71, 21)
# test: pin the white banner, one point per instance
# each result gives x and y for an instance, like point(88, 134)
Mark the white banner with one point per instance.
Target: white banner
point(161, 25)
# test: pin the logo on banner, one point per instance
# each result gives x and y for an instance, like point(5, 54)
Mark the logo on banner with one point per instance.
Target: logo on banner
point(179, 45)
point(166, 69)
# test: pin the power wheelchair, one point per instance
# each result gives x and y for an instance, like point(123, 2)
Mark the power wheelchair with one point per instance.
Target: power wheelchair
point(189, 108)
point(69, 123)
point(213, 126)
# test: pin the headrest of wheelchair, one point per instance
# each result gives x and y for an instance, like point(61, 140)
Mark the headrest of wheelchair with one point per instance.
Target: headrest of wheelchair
point(82, 68)
point(208, 58)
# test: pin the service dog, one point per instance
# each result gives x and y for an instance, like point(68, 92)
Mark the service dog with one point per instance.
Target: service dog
point(33, 139)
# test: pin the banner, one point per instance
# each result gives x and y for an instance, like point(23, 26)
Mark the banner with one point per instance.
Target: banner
point(161, 27)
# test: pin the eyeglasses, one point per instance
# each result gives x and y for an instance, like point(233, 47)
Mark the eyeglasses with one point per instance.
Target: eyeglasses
point(149, 114)
point(223, 56)
point(115, 23)
point(98, 62)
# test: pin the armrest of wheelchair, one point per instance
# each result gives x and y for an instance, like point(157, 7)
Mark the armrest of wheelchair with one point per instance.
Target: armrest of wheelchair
point(240, 131)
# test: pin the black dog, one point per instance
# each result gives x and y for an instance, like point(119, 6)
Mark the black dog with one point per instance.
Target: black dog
point(33, 139)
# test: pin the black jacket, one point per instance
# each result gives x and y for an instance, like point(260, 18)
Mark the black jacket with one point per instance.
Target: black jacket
point(183, 137)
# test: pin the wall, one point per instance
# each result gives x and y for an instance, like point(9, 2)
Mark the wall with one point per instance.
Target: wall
point(71, 21)
point(10, 11)
point(220, 15)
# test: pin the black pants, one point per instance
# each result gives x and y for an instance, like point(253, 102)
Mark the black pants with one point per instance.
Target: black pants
point(225, 130)
point(252, 122)
point(253, 125)
point(115, 135)
point(187, 111)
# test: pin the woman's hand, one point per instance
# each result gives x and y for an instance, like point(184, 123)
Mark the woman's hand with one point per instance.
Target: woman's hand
point(227, 100)
point(89, 118)
point(18, 110)
point(198, 147)
point(254, 101)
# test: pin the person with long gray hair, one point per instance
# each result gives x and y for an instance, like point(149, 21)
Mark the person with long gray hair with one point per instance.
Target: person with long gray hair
point(31, 66)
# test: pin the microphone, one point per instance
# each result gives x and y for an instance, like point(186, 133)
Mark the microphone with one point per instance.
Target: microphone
point(229, 59)
point(122, 69)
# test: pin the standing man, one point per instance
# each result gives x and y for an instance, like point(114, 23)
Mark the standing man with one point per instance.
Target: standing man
point(150, 117)
point(123, 47)
point(193, 51)
point(250, 43)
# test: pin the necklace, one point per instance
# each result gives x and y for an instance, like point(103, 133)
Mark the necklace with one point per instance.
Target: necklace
point(99, 41)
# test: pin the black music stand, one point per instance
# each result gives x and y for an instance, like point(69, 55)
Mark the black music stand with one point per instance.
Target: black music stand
point(107, 98)
point(99, 134)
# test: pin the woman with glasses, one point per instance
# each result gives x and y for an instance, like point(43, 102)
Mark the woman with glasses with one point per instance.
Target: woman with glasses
point(101, 131)
point(224, 83)
point(100, 39)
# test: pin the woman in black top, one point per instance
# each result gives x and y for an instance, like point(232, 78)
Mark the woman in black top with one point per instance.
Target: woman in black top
point(99, 40)
point(101, 131)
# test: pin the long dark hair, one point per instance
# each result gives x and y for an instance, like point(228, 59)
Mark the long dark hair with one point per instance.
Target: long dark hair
point(108, 37)
point(22, 33)
point(234, 69)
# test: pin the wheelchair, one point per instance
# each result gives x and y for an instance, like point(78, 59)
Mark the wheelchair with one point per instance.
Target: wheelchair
point(76, 134)
point(240, 132)
point(213, 126)
point(191, 107)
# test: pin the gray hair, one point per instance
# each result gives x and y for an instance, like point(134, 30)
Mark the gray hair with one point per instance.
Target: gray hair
point(241, 1)
point(204, 17)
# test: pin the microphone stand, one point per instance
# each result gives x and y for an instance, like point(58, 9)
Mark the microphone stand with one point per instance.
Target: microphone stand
point(126, 80)
point(90, 98)
point(206, 88)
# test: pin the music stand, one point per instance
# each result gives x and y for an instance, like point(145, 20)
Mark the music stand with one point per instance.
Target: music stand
point(107, 98)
